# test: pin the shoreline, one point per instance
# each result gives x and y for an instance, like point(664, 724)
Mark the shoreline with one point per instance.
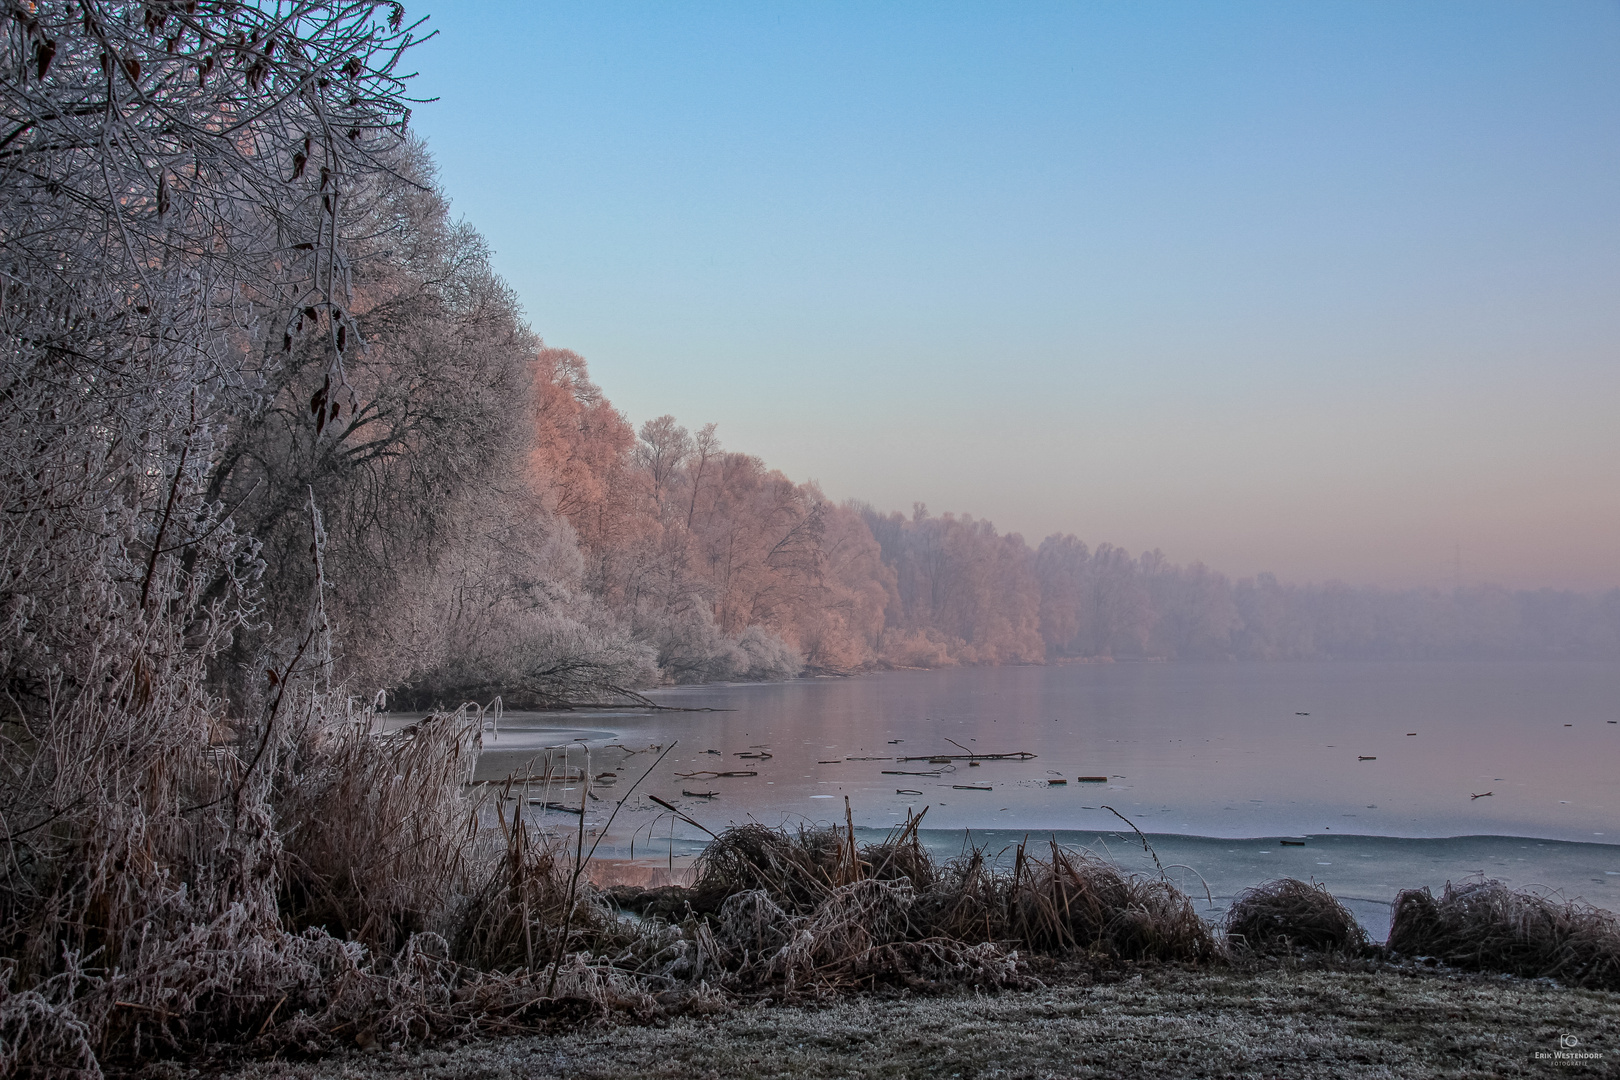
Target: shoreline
point(1366, 872)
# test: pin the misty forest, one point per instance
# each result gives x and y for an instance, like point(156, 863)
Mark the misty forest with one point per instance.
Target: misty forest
point(280, 451)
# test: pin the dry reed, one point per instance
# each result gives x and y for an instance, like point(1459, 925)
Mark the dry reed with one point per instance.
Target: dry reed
point(1485, 925)
point(1285, 915)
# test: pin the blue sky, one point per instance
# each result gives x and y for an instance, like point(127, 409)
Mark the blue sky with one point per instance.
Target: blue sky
point(1327, 289)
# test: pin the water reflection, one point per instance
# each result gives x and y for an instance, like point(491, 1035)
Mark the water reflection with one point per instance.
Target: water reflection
point(1223, 750)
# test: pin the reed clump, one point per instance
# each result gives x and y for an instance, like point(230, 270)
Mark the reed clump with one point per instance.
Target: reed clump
point(1486, 926)
point(831, 908)
point(797, 870)
point(1288, 915)
point(1078, 902)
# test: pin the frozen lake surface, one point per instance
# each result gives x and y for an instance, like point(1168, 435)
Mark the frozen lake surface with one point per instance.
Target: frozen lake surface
point(1376, 764)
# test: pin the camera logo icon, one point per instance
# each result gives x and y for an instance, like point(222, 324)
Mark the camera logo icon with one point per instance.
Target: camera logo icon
point(1568, 1042)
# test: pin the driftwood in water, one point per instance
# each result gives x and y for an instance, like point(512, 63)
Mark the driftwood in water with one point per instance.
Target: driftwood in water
point(564, 807)
point(1022, 755)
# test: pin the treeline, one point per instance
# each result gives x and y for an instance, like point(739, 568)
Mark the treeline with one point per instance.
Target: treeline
point(730, 570)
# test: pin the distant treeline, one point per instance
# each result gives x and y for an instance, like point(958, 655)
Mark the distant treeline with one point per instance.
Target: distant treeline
point(494, 525)
point(702, 548)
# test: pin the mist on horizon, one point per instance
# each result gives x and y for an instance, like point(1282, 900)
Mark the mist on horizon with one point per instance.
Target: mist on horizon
point(1325, 291)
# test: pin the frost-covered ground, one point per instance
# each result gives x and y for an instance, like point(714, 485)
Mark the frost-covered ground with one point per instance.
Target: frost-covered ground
point(1161, 1022)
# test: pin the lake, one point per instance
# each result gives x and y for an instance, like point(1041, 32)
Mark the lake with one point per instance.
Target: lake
point(1377, 764)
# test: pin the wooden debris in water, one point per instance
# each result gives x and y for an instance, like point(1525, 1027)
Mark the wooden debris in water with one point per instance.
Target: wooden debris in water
point(972, 787)
point(699, 794)
point(833, 761)
point(563, 807)
point(1056, 783)
point(1093, 779)
point(1482, 795)
point(1022, 755)
point(1366, 757)
point(709, 774)
point(1292, 843)
point(906, 791)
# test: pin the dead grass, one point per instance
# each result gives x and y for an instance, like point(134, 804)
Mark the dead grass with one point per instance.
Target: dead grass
point(1487, 926)
point(1285, 915)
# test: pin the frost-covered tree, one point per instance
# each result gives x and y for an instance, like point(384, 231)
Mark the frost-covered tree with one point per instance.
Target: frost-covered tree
point(172, 176)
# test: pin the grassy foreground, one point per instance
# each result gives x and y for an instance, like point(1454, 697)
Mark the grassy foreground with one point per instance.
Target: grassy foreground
point(1158, 1021)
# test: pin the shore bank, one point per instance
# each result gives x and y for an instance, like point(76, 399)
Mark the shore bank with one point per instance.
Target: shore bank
point(1142, 1021)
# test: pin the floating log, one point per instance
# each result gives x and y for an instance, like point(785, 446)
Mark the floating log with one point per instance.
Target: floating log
point(761, 756)
point(903, 772)
point(564, 807)
point(706, 774)
point(1055, 783)
point(1482, 795)
point(906, 791)
point(1292, 843)
point(972, 787)
point(1093, 779)
point(1365, 757)
point(938, 761)
point(834, 761)
point(699, 794)
point(1022, 755)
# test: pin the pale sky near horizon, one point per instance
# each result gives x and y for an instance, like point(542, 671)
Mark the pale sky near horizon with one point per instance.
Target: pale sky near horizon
point(1331, 290)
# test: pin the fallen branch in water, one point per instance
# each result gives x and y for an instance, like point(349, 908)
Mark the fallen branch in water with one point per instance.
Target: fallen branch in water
point(1022, 755)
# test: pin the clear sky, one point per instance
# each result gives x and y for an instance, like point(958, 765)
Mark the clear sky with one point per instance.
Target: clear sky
point(1326, 289)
